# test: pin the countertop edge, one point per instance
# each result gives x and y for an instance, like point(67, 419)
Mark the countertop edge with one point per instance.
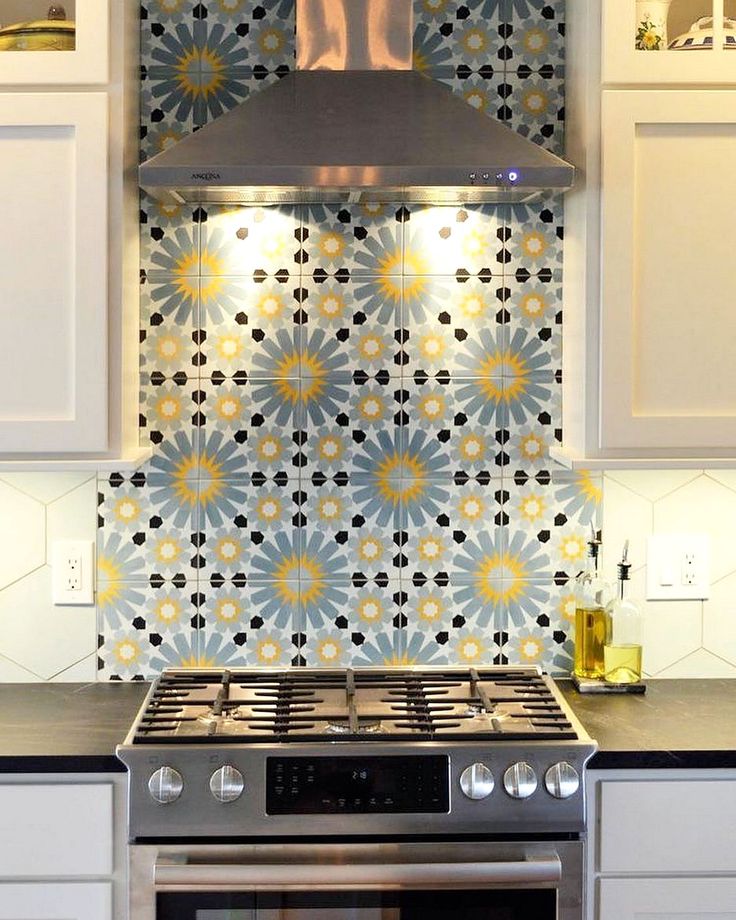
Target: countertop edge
point(663, 760)
point(61, 763)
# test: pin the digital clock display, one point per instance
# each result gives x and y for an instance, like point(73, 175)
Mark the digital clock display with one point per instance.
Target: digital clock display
point(357, 785)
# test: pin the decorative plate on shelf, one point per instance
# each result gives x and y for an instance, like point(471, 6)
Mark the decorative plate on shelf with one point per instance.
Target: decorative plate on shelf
point(700, 36)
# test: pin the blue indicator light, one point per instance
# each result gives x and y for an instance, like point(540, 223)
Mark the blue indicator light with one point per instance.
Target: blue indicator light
point(513, 175)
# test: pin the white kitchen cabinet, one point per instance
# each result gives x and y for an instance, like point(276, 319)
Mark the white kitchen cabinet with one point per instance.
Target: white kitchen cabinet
point(87, 64)
point(69, 258)
point(53, 271)
point(648, 378)
point(661, 845)
point(63, 849)
point(667, 899)
point(668, 379)
point(56, 901)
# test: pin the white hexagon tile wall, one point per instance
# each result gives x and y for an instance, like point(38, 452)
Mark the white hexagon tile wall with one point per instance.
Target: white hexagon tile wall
point(37, 640)
point(681, 638)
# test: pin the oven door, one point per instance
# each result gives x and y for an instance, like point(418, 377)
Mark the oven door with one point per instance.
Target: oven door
point(390, 881)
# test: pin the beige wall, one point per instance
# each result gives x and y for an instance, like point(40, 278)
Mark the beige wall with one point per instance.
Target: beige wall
point(683, 14)
point(22, 10)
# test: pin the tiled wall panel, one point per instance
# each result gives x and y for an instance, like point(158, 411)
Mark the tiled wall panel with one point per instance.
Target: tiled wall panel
point(351, 405)
point(351, 409)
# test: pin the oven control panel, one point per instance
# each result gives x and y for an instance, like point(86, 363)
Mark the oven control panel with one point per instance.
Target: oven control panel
point(357, 785)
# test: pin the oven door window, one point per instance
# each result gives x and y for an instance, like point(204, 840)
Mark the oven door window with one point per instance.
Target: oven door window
point(519, 904)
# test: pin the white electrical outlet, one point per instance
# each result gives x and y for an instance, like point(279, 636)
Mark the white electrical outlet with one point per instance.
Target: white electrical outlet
point(678, 567)
point(73, 572)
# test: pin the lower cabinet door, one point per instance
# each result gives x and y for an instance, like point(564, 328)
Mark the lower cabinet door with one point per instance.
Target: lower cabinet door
point(667, 899)
point(56, 901)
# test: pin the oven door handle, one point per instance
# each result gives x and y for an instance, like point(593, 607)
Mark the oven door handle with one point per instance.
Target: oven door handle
point(531, 872)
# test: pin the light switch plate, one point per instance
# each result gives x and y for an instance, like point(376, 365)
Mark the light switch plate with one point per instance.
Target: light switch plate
point(678, 567)
point(73, 573)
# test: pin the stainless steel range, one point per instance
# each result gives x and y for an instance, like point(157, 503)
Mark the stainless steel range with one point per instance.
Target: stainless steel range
point(360, 794)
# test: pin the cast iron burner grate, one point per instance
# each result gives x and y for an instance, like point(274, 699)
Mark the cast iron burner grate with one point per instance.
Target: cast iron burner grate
point(252, 707)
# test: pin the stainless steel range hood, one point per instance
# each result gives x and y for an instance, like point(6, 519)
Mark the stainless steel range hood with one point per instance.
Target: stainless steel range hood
point(354, 123)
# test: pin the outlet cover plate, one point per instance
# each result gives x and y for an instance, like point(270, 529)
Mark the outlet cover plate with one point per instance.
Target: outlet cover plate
point(73, 561)
point(678, 567)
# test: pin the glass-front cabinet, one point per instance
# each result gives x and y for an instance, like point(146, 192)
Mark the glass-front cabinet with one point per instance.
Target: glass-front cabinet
point(669, 41)
point(53, 42)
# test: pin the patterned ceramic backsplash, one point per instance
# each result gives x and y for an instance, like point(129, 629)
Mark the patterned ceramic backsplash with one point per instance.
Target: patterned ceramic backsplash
point(351, 406)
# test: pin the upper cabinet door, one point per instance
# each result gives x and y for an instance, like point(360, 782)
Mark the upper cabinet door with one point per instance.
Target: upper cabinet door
point(53, 272)
point(687, 42)
point(88, 63)
point(668, 376)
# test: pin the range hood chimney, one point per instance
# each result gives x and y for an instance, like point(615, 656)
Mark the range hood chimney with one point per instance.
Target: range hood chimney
point(354, 122)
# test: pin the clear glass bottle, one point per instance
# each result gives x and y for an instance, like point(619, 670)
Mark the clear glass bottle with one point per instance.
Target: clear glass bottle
point(622, 652)
point(592, 622)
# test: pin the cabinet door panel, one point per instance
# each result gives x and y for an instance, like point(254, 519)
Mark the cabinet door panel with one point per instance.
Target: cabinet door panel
point(682, 826)
point(53, 273)
point(668, 380)
point(55, 830)
point(667, 899)
point(56, 901)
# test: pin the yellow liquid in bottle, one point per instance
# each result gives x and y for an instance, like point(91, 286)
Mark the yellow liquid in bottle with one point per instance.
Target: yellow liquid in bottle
point(591, 635)
point(622, 664)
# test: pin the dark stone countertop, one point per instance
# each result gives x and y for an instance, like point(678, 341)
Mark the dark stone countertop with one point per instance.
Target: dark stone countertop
point(58, 728)
point(675, 724)
point(65, 728)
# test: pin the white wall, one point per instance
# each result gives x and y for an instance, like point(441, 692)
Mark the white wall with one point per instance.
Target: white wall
point(12, 11)
point(681, 638)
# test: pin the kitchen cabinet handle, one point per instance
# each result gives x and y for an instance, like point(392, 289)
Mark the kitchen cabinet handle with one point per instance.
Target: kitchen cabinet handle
point(357, 876)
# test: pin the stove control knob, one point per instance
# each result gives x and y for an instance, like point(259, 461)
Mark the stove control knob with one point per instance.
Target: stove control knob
point(562, 780)
point(227, 784)
point(520, 780)
point(476, 781)
point(165, 785)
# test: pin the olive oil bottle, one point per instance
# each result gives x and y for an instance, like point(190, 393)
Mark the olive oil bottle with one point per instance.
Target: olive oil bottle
point(622, 652)
point(592, 621)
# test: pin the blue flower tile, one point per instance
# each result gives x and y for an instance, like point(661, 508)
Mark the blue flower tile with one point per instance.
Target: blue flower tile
point(535, 108)
point(356, 323)
point(169, 344)
point(460, 241)
point(336, 516)
point(250, 242)
point(463, 420)
point(144, 532)
point(455, 326)
point(353, 240)
point(364, 627)
point(352, 427)
point(458, 514)
point(170, 255)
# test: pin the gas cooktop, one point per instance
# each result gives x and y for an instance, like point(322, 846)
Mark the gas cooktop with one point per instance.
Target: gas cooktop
point(272, 754)
point(233, 707)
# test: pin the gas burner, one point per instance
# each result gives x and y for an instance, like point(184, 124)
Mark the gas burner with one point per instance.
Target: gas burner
point(219, 721)
point(302, 705)
point(363, 727)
